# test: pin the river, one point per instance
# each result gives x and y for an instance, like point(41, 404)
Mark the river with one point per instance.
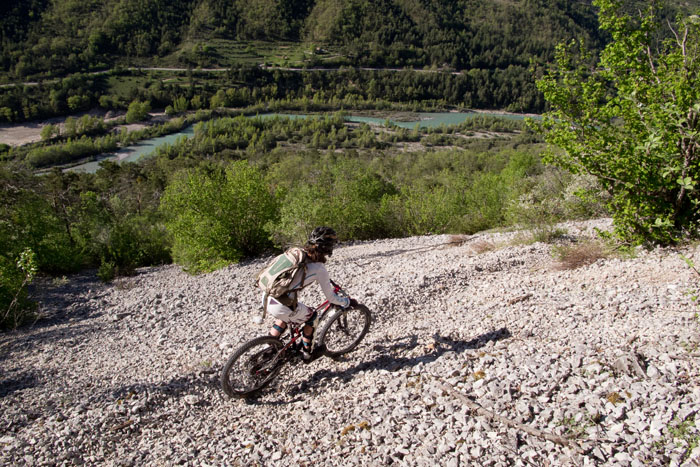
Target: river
point(146, 148)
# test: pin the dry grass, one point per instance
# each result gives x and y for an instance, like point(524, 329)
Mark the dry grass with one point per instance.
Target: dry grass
point(477, 247)
point(579, 254)
point(457, 240)
point(483, 246)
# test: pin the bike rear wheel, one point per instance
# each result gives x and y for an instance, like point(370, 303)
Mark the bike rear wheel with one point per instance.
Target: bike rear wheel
point(252, 366)
point(344, 330)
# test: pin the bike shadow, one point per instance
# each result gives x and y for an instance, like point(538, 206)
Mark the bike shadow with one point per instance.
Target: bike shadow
point(389, 360)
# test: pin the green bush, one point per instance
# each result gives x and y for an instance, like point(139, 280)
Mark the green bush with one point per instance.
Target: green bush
point(217, 216)
point(418, 210)
point(555, 196)
point(343, 193)
point(137, 111)
point(15, 275)
point(632, 120)
point(120, 240)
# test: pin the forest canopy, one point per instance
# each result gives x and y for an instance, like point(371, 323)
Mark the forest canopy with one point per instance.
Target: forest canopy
point(55, 37)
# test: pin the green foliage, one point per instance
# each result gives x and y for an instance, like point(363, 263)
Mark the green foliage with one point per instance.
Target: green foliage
point(685, 435)
point(343, 193)
point(215, 211)
point(695, 292)
point(633, 122)
point(15, 308)
point(71, 150)
point(138, 111)
point(118, 237)
point(48, 132)
point(467, 34)
point(217, 215)
point(34, 216)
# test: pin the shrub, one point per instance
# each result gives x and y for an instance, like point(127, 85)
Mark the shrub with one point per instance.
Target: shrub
point(217, 216)
point(137, 111)
point(345, 195)
point(116, 238)
point(15, 308)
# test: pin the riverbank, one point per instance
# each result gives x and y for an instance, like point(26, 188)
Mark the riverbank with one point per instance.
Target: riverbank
point(27, 133)
point(604, 356)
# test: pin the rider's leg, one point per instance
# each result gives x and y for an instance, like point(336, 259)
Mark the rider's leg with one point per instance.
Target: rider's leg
point(307, 332)
point(278, 328)
point(280, 312)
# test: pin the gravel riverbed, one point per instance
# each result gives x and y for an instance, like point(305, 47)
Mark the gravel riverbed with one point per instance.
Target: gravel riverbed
point(601, 363)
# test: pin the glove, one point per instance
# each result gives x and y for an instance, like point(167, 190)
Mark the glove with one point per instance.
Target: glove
point(353, 303)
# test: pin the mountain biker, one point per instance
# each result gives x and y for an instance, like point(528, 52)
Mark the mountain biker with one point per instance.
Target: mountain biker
point(287, 308)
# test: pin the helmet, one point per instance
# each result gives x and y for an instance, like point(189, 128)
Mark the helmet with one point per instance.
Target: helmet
point(325, 238)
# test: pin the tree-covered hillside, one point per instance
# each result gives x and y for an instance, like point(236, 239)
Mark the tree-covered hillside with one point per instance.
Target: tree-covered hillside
point(56, 37)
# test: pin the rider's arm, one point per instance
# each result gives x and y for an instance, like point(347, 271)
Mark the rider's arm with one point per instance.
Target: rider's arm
point(317, 272)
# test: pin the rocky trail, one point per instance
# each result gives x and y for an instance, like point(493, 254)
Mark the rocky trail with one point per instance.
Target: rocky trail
point(481, 353)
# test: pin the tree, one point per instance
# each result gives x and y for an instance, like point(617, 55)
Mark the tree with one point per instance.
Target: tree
point(137, 111)
point(218, 216)
point(633, 121)
point(48, 132)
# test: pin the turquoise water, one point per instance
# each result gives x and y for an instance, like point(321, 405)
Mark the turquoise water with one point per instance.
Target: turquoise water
point(435, 119)
point(147, 148)
point(424, 120)
point(135, 152)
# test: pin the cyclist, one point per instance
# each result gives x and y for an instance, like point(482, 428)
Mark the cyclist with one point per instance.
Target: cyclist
point(287, 308)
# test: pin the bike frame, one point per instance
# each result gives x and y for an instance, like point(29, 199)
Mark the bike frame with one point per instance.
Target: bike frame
point(295, 329)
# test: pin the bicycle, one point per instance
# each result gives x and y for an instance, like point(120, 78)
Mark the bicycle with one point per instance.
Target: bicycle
point(257, 363)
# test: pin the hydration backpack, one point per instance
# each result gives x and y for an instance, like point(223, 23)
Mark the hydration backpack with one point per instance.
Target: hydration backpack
point(276, 279)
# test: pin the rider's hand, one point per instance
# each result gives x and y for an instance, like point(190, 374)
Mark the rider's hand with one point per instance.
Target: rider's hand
point(353, 303)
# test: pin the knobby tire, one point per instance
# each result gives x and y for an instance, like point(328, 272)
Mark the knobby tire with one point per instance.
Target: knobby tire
point(252, 367)
point(344, 330)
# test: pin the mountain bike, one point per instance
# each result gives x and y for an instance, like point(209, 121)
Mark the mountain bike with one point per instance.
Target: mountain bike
point(258, 362)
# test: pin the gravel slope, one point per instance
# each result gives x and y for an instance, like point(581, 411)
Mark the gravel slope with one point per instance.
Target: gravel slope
point(607, 354)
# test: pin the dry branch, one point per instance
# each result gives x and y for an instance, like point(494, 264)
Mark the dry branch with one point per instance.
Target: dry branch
point(518, 426)
point(515, 300)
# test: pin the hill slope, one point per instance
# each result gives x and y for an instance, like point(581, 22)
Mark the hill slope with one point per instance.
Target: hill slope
point(71, 35)
point(127, 373)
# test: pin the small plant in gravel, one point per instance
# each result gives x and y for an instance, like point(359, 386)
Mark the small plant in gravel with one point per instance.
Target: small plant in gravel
point(457, 240)
point(364, 425)
point(417, 383)
point(614, 398)
point(59, 281)
point(477, 375)
point(694, 293)
point(541, 234)
point(685, 435)
point(14, 280)
point(577, 429)
point(690, 347)
point(548, 234)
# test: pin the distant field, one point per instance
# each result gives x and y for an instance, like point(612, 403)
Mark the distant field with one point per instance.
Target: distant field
point(225, 53)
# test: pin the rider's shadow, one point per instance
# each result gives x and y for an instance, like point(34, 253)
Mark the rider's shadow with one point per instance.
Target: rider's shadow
point(391, 362)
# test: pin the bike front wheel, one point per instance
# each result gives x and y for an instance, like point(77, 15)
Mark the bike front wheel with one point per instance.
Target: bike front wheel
point(252, 366)
point(344, 330)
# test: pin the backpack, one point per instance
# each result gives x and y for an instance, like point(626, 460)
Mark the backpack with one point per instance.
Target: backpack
point(276, 279)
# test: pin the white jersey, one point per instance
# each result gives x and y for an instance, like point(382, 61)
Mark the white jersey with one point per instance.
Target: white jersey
point(316, 272)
